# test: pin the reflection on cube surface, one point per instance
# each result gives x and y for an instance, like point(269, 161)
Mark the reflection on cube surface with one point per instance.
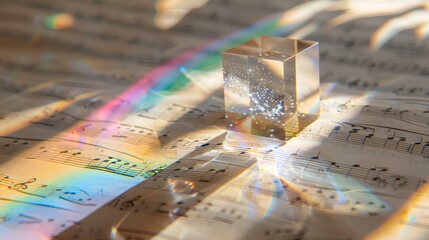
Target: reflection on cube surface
point(271, 86)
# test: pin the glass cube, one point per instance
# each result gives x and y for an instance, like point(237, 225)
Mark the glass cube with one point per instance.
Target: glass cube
point(271, 86)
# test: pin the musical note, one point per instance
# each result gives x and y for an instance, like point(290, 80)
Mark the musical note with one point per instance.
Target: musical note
point(99, 142)
point(367, 136)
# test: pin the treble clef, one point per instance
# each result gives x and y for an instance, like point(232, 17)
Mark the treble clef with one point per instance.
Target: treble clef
point(22, 185)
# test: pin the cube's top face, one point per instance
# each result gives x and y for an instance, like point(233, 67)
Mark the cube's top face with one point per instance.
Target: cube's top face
point(273, 48)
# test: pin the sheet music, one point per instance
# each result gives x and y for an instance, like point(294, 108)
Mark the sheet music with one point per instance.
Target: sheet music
point(113, 128)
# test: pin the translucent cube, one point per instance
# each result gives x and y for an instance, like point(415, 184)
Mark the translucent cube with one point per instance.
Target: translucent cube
point(271, 86)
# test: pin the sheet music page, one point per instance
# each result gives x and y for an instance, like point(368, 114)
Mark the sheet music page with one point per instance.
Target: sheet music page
point(112, 123)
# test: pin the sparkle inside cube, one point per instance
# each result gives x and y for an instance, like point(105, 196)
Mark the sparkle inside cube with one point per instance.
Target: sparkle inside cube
point(271, 86)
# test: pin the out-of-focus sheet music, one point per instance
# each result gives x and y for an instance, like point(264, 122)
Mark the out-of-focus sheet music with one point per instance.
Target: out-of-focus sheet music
point(112, 123)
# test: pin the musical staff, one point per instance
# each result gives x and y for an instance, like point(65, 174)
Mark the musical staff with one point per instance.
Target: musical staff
point(112, 125)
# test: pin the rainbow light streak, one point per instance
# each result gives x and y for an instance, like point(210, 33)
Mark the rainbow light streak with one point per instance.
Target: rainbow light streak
point(164, 78)
point(59, 21)
point(270, 171)
point(394, 26)
point(262, 174)
point(278, 183)
point(422, 31)
point(400, 224)
point(280, 180)
point(169, 76)
point(171, 12)
point(25, 118)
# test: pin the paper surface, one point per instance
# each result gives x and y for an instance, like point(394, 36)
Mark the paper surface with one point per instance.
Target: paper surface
point(112, 127)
